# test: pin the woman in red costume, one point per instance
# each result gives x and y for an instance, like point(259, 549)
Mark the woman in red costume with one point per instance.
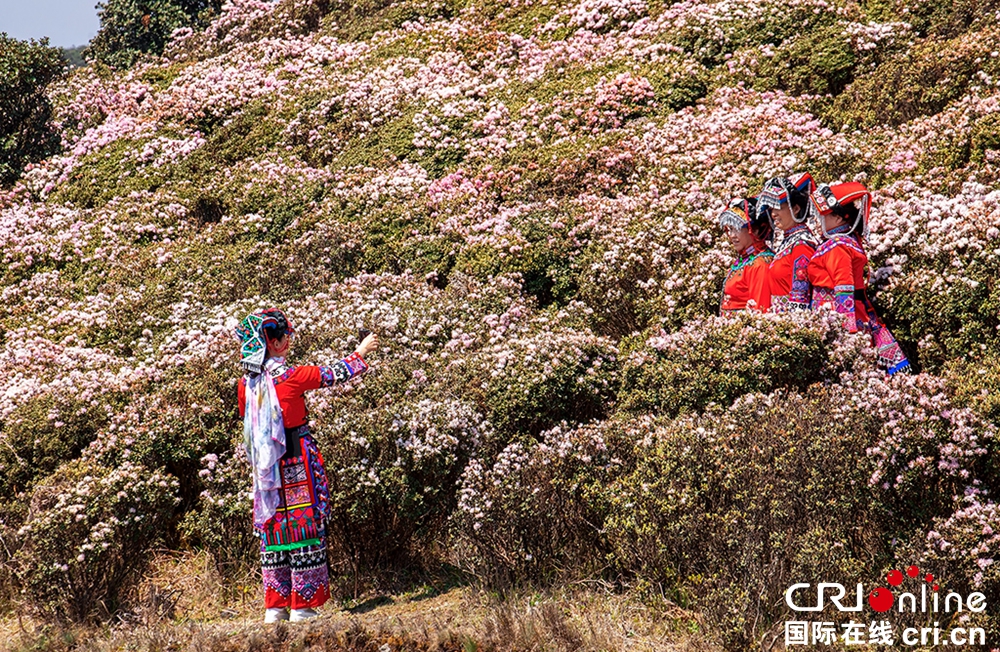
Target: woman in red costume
point(291, 495)
point(746, 286)
point(786, 201)
point(837, 269)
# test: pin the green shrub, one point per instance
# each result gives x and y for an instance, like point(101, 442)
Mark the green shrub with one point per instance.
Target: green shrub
point(131, 28)
point(709, 40)
point(397, 236)
point(944, 19)
point(26, 69)
point(677, 81)
point(919, 82)
point(359, 20)
point(718, 359)
point(544, 258)
point(108, 174)
point(532, 383)
point(977, 384)
point(250, 133)
point(819, 62)
point(951, 321)
point(43, 433)
point(726, 510)
point(976, 145)
point(221, 523)
point(88, 537)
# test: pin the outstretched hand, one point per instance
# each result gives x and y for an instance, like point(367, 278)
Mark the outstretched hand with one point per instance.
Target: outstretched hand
point(369, 344)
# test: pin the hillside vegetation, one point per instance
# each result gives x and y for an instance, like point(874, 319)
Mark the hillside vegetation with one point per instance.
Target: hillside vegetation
point(519, 198)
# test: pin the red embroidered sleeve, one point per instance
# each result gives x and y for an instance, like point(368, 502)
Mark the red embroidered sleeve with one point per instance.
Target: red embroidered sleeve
point(315, 377)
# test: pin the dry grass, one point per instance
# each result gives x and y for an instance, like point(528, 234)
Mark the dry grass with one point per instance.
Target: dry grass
point(186, 606)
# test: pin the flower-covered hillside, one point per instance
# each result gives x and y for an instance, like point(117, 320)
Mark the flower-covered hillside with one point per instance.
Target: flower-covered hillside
point(519, 198)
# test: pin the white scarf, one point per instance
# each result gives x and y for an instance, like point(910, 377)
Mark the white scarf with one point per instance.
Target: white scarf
point(264, 438)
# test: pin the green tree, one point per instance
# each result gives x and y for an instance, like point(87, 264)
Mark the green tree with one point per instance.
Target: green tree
point(26, 68)
point(130, 28)
point(75, 56)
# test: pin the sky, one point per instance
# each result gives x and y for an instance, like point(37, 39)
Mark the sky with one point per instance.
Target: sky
point(65, 22)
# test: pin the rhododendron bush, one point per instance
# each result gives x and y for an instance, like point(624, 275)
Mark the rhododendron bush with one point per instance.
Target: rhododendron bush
point(519, 198)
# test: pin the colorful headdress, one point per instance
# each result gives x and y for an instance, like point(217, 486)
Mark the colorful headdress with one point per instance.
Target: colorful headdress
point(838, 197)
point(253, 343)
point(778, 191)
point(740, 214)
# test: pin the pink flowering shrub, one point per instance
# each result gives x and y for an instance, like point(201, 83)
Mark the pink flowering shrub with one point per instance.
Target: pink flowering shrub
point(195, 413)
point(85, 542)
point(394, 482)
point(961, 548)
point(931, 452)
point(939, 294)
point(634, 279)
point(534, 512)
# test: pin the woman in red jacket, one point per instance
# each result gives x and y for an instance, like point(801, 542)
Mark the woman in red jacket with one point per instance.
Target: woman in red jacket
point(786, 201)
point(837, 269)
point(291, 496)
point(746, 286)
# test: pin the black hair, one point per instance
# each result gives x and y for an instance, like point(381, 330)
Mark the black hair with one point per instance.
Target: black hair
point(800, 199)
point(849, 212)
point(279, 330)
point(762, 229)
point(760, 224)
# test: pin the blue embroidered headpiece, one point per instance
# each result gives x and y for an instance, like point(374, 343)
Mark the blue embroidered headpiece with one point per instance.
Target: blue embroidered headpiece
point(253, 341)
point(778, 191)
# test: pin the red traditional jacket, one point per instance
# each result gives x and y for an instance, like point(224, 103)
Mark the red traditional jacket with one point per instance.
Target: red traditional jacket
point(790, 287)
point(837, 271)
point(291, 384)
point(748, 279)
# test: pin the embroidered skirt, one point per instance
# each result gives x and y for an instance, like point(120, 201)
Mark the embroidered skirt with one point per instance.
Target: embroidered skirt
point(299, 579)
point(305, 497)
point(293, 542)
